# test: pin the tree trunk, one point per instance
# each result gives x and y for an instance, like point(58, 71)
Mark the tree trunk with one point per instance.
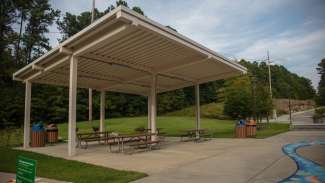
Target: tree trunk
point(19, 37)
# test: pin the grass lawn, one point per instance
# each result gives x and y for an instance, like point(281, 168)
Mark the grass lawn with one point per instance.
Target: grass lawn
point(172, 126)
point(273, 129)
point(66, 170)
point(211, 110)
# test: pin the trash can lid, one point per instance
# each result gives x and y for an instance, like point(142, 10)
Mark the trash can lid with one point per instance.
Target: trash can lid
point(38, 127)
point(51, 127)
point(241, 122)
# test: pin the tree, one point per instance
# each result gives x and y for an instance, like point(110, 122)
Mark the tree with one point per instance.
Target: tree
point(138, 10)
point(41, 15)
point(246, 97)
point(301, 87)
point(7, 18)
point(321, 85)
point(238, 98)
point(263, 102)
point(71, 24)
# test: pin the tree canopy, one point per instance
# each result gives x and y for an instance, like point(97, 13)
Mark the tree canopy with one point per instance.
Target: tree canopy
point(282, 79)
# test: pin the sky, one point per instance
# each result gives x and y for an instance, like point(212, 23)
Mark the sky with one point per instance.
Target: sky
point(293, 31)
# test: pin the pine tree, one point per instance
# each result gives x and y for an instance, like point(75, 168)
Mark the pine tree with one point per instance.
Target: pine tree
point(40, 17)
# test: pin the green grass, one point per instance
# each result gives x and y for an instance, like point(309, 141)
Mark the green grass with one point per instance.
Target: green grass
point(273, 129)
point(212, 110)
point(66, 170)
point(11, 137)
point(173, 126)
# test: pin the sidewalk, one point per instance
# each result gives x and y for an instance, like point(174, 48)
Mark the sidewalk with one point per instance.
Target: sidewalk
point(286, 117)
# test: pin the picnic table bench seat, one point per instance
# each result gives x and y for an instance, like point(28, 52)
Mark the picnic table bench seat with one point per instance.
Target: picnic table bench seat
point(148, 145)
point(191, 134)
point(261, 126)
point(93, 137)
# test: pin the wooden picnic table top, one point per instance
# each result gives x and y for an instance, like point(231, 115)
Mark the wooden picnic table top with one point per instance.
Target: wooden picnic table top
point(94, 133)
point(135, 135)
point(195, 130)
point(156, 128)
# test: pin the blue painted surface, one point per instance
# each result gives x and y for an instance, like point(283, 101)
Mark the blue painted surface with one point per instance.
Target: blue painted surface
point(307, 170)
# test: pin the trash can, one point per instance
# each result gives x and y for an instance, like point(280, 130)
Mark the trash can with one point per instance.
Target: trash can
point(38, 136)
point(52, 133)
point(240, 129)
point(251, 128)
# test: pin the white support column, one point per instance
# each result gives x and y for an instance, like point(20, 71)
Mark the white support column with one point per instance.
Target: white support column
point(102, 111)
point(153, 106)
point(197, 110)
point(149, 112)
point(90, 105)
point(72, 106)
point(28, 91)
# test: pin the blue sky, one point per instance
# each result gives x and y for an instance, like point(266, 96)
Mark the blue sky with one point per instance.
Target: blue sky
point(292, 30)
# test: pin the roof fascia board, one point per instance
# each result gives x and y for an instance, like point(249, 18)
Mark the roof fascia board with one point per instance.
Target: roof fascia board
point(90, 27)
point(51, 53)
point(49, 68)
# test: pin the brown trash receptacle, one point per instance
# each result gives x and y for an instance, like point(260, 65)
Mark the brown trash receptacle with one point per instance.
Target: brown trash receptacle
point(240, 131)
point(250, 130)
point(38, 139)
point(52, 135)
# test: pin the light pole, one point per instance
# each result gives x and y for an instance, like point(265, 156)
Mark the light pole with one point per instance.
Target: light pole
point(274, 116)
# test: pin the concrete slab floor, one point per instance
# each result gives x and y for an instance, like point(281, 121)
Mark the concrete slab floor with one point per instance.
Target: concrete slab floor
point(217, 160)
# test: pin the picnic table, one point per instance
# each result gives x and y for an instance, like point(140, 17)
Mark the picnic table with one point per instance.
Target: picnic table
point(148, 130)
point(191, 133)
point(94, 136)
point(109, 138)
point(144, 138)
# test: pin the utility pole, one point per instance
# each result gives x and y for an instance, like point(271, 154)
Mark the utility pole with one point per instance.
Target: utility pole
point(274, 116)
point(253, 79)
point(93, 12)
point(290, 114)
point(90, 91)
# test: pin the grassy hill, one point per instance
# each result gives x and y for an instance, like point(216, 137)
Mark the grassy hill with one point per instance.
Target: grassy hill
point(212, 110)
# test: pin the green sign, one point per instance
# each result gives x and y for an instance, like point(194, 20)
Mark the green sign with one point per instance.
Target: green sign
point(25, 170)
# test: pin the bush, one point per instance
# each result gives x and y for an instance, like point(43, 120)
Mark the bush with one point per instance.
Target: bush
point(319, 115)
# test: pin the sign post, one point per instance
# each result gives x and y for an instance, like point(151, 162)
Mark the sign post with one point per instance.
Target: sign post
point(25, 170)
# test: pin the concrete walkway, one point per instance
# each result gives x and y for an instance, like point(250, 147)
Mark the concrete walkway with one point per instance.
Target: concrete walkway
point(221, 160)
point(246, 161)
point(301, 117)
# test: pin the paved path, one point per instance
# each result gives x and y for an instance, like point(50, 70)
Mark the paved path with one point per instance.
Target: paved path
point(247, 161)
point(301, 117)
point(217, 160)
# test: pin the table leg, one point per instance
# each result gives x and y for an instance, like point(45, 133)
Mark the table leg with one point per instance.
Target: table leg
point(119, 144)
point(122, 146)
